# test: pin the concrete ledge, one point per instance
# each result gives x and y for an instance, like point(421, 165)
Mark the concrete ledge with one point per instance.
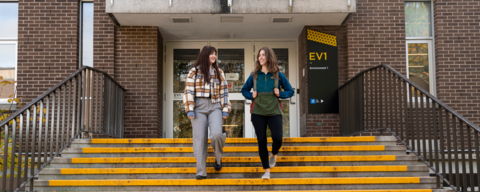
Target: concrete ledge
point(238, 6)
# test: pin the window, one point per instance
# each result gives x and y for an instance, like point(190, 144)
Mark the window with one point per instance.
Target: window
point(86, 34)
point(419, 44)
point(8, 47)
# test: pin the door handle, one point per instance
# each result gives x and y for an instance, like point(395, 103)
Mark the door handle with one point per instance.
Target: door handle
point(291, 101)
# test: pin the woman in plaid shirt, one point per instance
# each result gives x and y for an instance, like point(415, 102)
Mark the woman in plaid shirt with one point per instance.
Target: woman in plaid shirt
point(206, 104)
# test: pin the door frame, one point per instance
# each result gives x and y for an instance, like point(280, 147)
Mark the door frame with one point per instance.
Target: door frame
point(167, 125)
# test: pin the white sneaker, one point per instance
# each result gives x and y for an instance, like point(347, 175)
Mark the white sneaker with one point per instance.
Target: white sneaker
point(266, 175)
point(273, 161)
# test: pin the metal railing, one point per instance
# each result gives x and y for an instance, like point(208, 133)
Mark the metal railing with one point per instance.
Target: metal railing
point(87, 102)
point(380, 98)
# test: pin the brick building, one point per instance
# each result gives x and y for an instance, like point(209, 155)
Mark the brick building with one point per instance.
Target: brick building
point(147, 46)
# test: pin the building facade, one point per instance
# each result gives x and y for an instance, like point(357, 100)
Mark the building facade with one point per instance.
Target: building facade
point(148, 46)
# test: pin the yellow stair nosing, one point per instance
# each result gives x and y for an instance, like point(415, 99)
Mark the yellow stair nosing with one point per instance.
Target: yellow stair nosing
point(232, 159)
point(235, 140)
point(230, 149)
point(177, 170)
point(227, 182)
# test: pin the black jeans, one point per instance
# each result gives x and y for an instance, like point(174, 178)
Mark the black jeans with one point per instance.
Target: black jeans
point(260, 124)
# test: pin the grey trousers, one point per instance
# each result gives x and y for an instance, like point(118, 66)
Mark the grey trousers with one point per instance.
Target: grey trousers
point(207, 115)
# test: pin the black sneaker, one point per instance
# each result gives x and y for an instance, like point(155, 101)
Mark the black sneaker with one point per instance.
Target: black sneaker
point(217, 166)
point(199, 177)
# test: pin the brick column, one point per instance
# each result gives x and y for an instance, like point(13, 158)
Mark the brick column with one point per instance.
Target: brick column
point(137, 64)
point(103, 39)
point(47, 45)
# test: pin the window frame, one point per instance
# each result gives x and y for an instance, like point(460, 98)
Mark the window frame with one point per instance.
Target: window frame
point(10, 41)
point(431, 77)
point(431, 47)
point(80, 36)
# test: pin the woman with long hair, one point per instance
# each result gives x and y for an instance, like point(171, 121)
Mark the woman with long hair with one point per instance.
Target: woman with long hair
point(267, 109)
point(206, 102)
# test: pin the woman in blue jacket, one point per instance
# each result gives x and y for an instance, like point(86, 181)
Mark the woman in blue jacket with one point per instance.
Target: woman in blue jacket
point(267, 110)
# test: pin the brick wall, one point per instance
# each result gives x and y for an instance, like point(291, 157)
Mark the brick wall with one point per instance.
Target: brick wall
point(136, 65)
point(457, 55)
point(47, 44)
point(330, 122)
point(160, 52)
point(376, 35)
point(103, 39)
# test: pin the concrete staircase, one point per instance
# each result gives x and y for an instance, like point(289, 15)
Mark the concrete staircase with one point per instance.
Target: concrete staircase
point(334, 164)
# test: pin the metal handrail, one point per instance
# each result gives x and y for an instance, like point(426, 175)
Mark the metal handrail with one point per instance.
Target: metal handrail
point(380, 98)
point(87, 102)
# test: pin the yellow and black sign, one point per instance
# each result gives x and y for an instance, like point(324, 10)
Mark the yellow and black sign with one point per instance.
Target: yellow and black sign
point(322, 66)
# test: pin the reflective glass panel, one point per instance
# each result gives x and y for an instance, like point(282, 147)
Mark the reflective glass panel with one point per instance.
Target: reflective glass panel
point(87, 34)
point(7, 67)
point(234, 126)
point(282, 59)
point(8, 20)
point(418, 21)
point(183, 61)
point(182, 128)
point(232, 62)
point(418, 70)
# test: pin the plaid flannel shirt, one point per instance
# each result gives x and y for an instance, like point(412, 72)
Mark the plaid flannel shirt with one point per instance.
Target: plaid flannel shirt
point(195, 87)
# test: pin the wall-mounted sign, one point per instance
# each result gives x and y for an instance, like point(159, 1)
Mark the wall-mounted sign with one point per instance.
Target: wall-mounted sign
point(322, 67)
point(178, 96)
point(232, 76)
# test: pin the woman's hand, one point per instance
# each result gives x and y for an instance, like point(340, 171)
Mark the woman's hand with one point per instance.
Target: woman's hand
point(277, 92)
point(254, 94)
point(225, 117)
point(191, 117)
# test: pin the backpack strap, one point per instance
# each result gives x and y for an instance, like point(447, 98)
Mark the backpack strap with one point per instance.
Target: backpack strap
point(276, 81)
point(255, 83)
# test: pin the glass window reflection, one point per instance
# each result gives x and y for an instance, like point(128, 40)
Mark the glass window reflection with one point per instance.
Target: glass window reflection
point(418, 19)
point(8, 20)
point(232, 62)
point(418, 69)
point(87, 34)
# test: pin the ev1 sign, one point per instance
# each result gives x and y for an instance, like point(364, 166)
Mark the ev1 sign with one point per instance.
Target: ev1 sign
point(322, 67)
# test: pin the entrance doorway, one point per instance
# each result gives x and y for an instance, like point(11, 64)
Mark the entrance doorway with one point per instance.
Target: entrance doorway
point(236, 59)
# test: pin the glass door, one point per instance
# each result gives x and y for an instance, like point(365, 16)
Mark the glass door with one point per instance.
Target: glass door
point(286, 56)
point(236, 61)
point(180, 58)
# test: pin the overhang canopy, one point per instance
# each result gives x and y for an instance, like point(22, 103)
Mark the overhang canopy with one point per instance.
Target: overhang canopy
point(244, 19)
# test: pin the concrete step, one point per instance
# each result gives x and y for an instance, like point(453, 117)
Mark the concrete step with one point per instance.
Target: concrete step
point(236, 142)
point(368, 190)
point(237, 184)
point(233, 151)
point(234, 172)
point(148, 162)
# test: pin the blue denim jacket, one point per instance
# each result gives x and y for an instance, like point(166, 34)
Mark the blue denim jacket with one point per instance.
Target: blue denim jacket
point(265, 83)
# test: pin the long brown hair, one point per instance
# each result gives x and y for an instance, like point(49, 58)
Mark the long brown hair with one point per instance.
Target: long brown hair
point(203, 60)
point(271, 62)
